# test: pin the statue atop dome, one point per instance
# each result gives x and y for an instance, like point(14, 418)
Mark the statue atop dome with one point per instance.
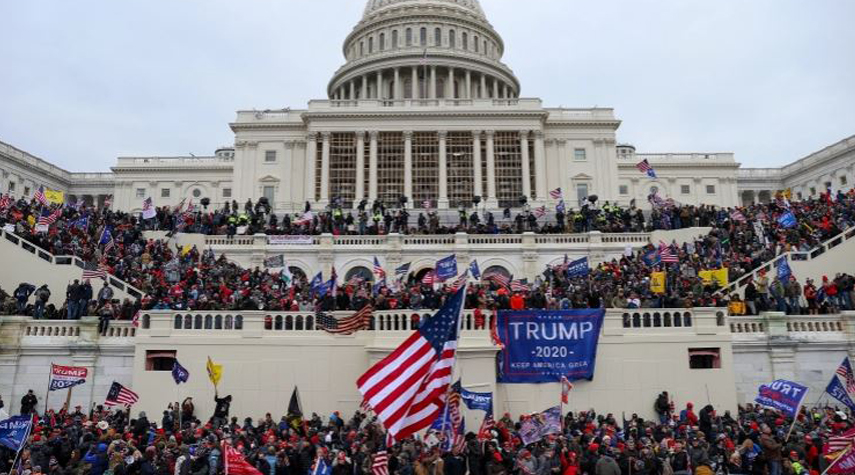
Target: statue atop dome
point(471, 5)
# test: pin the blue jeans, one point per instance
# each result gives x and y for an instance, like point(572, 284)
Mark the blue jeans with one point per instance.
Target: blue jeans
point(774, 467)
point(82, 308)
point(795, 308)
point(72, 309)
point(39, 310)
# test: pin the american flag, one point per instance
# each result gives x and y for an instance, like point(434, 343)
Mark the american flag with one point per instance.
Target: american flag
point(346, 326)
point(737, 215)
point(51, 218)
point(456, 417)
point(135, 321)
point(845, 371)
point(460, 282)
point(364, 407)
point(556, 194)
point(426, 204)
point(566, 387)
point(5, 201)
point(666, 254)
point(644, 167)
point(841, 442)
point(378, 269)
point(40, 196)
point(540, 212)
point(107, 239)
point(119, 394)
point(99, 273)
point(429, 278)
point(487, 425)
point(500, 279)
point(108, 201)
point(407, 388)
point(380, 465)
point(519, 285)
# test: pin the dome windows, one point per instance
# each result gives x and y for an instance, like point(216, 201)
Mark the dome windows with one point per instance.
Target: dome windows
point(452, 39)
point(409, 36)
point(394, 39)
point(381, 44)
point(437, 37)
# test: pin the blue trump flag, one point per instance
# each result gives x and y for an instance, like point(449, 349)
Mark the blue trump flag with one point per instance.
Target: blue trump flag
point(651, 258)
point(787, 220)
point(784, 271)
point(446, 268)
point(579, 268)
point(179, 373)
point(475, 270)
point(316, 282)
point(785, 396)
point(14, 432)
point(836, 390)
point(541, 346)
point(477, 401)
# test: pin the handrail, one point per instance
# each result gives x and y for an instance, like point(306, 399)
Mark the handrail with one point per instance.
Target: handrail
point(67, 261)
point(800, 256)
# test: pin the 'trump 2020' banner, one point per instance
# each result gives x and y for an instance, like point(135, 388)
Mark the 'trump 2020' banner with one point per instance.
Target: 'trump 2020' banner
point(64, 377)
point(543, 345)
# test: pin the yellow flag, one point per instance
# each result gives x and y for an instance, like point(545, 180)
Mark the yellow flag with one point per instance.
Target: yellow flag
point(54, 196)
point(215, 372)
point(187, 249)
point(719, 276)
point(657, 282)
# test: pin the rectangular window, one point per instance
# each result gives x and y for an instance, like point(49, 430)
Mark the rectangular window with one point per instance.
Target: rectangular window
point(26, 191)
point(160, 360)
point(164, 192)
point(140, 192)
point(710, 189)
point(812, 191)
point(270, 156)
point(11, 186)
point(582, 192)
point(704, 358)
point(425, 168)
point(685, 189)
point(342, 184)
point(409, 37)
point(843, 180)
point(390, 167)
point(580, 155)
point(269, 192)
point(508, 153)
point(423, 37)
point(460, 171)
point(623, 190)
point(227, 192)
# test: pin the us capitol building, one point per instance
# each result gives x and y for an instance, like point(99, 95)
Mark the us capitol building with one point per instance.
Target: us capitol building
point(424, 108)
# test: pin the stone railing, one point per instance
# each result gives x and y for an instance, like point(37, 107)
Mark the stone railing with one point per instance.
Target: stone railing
point(66, 261)
point(18, 331)
point(777, 326)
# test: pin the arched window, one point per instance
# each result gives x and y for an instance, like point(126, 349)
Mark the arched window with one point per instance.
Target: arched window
point(437, 37)
point(409, 37)
point(381, 44)
point(177, 322)
point(452, 39)
point(485, 47)
point(475, 40)
point(466, 41)
point(359, 272)
point(361, 48)
point(370, 44)
point(495, 271)
point(423, 36)
point(394, 39)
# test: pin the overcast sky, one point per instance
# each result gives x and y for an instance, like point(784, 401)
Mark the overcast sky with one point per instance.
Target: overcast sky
point(85, 81)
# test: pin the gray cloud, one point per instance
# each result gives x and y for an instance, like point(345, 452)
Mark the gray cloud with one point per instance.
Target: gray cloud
point(89, 80)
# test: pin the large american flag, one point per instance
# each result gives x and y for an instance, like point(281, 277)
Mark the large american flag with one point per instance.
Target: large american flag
point(487, 425)
point(556, 194)
point(540, 212)
point(737, 215)
point(346, 326)
point(40, 196)
point(644, 167)
point(841, 442)
point(407, 389)
point(429, 278)
point(378, 269)
point(666, 254)
point(99, 273)
point(5, 201)
point(51, 218)
point(380, 465)
point(845, 371)
point(460, 282)
point(120, 395)
point(519, 285)
point(500, 279)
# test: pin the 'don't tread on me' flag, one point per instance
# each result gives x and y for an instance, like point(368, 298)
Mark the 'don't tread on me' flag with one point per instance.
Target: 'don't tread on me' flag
point(215, 371)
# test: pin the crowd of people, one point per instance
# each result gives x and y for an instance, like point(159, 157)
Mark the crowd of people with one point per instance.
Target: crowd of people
point(741, 240)
point(755, 441)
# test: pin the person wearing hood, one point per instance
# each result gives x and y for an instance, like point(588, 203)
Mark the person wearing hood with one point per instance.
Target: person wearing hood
point(97, 459)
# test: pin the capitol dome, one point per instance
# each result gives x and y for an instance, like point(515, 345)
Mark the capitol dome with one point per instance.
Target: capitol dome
point(423, 50)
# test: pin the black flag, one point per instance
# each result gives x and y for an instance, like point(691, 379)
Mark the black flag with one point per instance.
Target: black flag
point(295, 412)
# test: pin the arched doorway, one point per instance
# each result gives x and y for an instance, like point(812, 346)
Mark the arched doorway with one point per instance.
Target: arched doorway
point(360, 273)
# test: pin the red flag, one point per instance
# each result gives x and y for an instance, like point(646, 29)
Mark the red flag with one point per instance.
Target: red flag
point(236, 464)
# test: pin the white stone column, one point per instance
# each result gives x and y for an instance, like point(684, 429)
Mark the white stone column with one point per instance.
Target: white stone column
point(468, 85)
point(364, 87)
point(325, 169)
point(540, 167)
point(505, 94)
point(492, 202)
point(379, 85)
point(311, 160)
point(352, 90)
point(397, 91)
point(449, 86)
point(415, 84)
point(360, 168)
point(433, 82)
point(526, 169)
point(483, 93)
point(372, 165)
point(408, 166)
point(495, 88)
point(442, 202)
point(477, 190)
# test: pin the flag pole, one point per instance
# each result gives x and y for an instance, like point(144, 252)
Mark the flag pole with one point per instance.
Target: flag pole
point(796, 417)
point(832, 464)
point(454, 363)
point(47, 393)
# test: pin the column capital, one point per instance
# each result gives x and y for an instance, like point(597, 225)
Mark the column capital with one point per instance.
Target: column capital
point(326, 136)
point(408, 135)
point(442, 134)
point(538, 134)
point(524, 134)
point(373, 134)
point(312, 136)
point(490, 133)
point(476, 134)
point(360, 134)
point(289, 144)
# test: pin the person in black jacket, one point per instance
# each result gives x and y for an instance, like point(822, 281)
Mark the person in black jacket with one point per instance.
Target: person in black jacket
point(28, 403)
